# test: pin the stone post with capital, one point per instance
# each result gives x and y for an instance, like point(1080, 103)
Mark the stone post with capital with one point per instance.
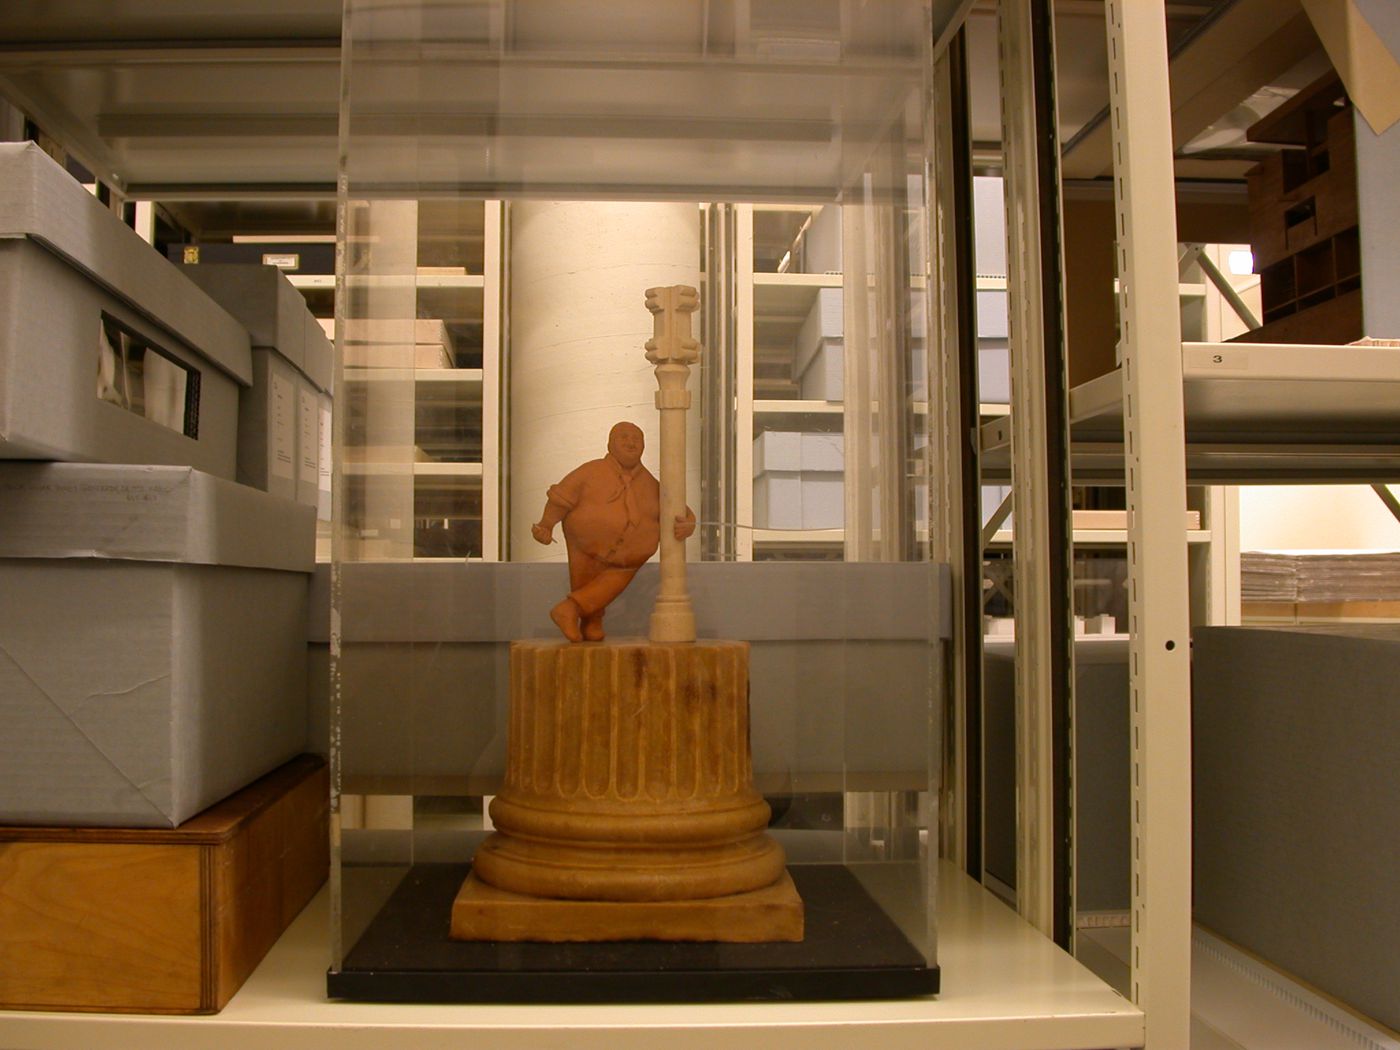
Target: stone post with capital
point(672, 350)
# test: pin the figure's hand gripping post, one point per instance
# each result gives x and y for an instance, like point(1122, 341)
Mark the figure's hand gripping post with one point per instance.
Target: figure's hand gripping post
point(672, 350)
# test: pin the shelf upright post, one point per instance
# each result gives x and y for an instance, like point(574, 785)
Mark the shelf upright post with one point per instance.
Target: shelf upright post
point(743, 381)
point(1042, 556)
point(1154, 444)
point(491, 386)
point(953, 408)
point(719, 483)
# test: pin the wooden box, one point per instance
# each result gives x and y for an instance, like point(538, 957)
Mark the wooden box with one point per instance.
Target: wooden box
point(154, 920)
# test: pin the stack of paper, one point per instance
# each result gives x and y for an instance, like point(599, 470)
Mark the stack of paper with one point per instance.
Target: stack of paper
point(1346, 576)
point(1268, 576)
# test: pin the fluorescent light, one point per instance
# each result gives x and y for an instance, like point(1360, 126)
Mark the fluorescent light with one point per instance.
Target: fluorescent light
point(1241, 262)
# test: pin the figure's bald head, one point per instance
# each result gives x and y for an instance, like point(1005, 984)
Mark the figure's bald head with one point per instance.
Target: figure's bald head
point(625, 443)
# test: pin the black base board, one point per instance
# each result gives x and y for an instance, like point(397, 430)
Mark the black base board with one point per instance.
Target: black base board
point(852, 950)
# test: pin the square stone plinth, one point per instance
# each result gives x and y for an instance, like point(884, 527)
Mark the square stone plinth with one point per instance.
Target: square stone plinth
point(484, 913)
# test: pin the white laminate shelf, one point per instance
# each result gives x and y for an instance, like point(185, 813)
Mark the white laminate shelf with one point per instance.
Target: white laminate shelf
point(789, 297)
point(1254, 413)
point(1005, 987)
point(1099, 537)
point(800, 414)
point(465, 474)
point(800, 537)
point(450, 296)
point(793, 414)
point(422, 280)
point(443, 387)
point(430, 377)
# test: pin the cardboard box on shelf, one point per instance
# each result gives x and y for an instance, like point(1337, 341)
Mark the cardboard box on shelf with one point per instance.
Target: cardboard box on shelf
point(308, 488)
point(777, 450)
point(777, 500)
point(264, 302)
point(155, 641)
point(324, 437)
point(267, 426)
point(823, 452)
point(795, 450)
point(279, 443)
point(822, 249)
point(793, 499)
point(823, 499)
point(817, 361)
point(107, 354)
point(421, 343)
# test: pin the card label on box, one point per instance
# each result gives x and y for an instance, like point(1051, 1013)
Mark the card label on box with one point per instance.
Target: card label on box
point(282, 260)
point(284, 435)
point(323, 494)
point(310, 440)
point(324, 443)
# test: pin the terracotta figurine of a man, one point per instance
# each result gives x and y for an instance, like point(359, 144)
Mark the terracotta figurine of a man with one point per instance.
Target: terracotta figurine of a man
point(611, 510)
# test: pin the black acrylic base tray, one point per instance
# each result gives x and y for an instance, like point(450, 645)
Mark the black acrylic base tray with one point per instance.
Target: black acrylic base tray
point(851, 951)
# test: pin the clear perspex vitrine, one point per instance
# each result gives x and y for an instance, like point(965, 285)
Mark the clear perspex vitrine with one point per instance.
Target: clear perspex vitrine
point(514, 178)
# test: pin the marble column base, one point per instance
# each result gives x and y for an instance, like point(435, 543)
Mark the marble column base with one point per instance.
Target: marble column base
point(484, 913)
point(628, 796)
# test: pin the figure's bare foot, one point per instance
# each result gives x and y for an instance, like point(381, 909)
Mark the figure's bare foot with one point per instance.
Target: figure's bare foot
point(566, 616)
point(593, 627)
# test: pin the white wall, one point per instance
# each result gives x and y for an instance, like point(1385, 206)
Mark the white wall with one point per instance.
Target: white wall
point(1316, 517)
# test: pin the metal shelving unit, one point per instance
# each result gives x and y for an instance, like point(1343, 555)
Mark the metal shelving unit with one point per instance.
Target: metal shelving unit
point(1254, 413)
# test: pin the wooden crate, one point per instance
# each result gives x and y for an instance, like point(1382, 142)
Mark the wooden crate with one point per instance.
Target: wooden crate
point(160, 921)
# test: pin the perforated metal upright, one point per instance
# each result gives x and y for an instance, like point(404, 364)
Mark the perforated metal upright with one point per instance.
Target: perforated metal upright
point(1154, 445)
point(1155, 477)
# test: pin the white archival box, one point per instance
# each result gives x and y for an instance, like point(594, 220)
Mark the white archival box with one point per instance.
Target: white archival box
point(817, 361)
point(153, 639)
point(799, 480)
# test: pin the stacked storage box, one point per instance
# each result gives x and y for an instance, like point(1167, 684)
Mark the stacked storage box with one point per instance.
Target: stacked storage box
point(798, 480)
point(155, 632)
point(388, 344)
point(818, 354)
point(153, 637)
point(821, 247)
point(284, 416)
point(817, 360)
point(105, 353)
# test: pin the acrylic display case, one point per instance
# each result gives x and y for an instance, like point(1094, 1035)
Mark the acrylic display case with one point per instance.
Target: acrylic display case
point(510, 189)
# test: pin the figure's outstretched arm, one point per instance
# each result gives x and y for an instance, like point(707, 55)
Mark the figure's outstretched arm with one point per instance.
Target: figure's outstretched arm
point(556, 506)
point(685, 526)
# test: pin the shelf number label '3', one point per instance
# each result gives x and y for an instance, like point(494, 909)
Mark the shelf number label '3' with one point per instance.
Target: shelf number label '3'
point(1231, 360)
